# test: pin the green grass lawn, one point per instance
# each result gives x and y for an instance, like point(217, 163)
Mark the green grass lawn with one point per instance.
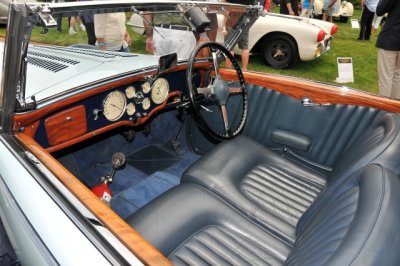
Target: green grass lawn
point(324, 69)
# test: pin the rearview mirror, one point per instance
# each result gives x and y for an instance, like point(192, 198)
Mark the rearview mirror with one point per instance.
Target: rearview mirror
point(167, 61)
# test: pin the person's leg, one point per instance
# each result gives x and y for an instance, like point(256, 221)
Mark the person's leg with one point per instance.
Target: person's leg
point(363, 23)
point(228, 62)
point(395, 91)
point(244, 46)
point(80, 22)
point(72, 25)
point(368, 25)
point(386, 63)
point(90, 31)
point(59, 23)
point(245, 58)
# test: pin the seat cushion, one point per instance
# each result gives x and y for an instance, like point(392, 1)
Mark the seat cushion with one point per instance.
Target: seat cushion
point(354, 223)
point(192, 226)
point(271, 189)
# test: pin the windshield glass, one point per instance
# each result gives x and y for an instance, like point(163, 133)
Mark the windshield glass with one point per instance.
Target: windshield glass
point(294, 46)
point(74, 51)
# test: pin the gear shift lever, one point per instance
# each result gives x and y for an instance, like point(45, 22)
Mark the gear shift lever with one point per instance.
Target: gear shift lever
point(117, 161)
point(102, 190)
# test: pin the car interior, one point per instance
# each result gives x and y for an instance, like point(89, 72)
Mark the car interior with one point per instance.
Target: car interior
point(214, 166)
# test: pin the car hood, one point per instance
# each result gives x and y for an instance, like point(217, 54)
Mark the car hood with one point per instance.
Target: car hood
point(68, 67)
point(324, 25)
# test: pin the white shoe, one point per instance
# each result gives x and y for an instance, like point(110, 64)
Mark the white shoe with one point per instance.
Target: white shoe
point(83, 28)
point(72, 31)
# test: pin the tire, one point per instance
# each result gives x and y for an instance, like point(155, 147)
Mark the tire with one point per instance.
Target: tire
point(280, 51)
point(344, 19)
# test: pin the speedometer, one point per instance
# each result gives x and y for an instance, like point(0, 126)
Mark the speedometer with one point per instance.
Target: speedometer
point(114, 105)
point(159, 90)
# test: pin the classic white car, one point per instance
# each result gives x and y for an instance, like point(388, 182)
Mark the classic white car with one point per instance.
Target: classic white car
point(345, 11)
point(115, 158)
point(283, 40)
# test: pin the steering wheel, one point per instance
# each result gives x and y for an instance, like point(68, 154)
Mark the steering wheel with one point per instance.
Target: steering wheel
point(217, 91)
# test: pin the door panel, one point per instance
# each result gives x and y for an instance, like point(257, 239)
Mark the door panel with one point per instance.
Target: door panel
point(329, 129)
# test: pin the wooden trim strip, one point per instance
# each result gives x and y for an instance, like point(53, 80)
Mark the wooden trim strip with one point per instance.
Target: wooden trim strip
point(123, 231)
point(318, 92)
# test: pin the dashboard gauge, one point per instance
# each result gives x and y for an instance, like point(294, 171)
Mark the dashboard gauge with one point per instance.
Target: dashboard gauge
point(114, 105)
point(159, 90)
point(146, 87)
point(130, 109)
point(146, 103)
point(130, 92)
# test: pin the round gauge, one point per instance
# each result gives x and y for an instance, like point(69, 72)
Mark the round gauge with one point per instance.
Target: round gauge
point(130, 109)
point(130, 92)
point(146, 103)
point(114, 105)
point(159, 90)
point(146, 87)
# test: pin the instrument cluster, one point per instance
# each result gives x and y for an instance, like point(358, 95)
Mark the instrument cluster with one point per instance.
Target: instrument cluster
point(135, 101)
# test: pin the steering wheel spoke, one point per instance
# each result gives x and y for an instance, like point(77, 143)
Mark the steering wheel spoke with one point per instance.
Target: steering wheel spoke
point(206, 91)
point(225, 119)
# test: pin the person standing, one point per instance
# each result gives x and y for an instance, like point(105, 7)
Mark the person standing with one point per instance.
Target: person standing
point(88, 21)
point(111, 32)
point(330, 7)
point(307, 8)
point(388, 45)
point(367, 16)
point(166, 38)
point(289, 7)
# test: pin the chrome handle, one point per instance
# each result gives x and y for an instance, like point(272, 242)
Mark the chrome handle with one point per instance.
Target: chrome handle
point(307, 102)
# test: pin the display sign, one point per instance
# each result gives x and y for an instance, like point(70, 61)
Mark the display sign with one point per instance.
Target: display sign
point(345, 69)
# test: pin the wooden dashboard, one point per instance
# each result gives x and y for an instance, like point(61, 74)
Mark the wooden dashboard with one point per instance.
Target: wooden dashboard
point(129, 102)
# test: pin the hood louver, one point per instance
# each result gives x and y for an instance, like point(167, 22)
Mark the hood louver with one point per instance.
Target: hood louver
point(55, 58)
point(46, 64)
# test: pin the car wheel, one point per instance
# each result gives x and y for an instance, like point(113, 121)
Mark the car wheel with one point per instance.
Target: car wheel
point(344, 19)
point(280, 51)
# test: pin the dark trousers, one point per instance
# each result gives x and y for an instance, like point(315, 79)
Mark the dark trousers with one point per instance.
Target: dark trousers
point(89, 31)
point(366, 24)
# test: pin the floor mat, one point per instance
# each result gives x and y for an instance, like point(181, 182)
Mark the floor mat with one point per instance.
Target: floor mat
point(151, 159)
point(135, 197)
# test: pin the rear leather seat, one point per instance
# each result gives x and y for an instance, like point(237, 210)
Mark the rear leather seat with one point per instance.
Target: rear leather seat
point(275, 191)
point(353, 222)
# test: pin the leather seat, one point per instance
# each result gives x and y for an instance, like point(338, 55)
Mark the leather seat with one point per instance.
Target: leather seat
point(275, 191)
point(355, 222)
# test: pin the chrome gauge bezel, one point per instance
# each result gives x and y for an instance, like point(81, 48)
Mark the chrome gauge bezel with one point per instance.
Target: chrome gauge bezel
point(146, 87)
point(146, 103)
point(130, 109)
point(159, 90)
point(114, 105)
point(130, 92)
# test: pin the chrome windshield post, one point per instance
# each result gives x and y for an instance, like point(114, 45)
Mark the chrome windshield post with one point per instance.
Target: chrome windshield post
point(246, 22)
point(20, 25)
